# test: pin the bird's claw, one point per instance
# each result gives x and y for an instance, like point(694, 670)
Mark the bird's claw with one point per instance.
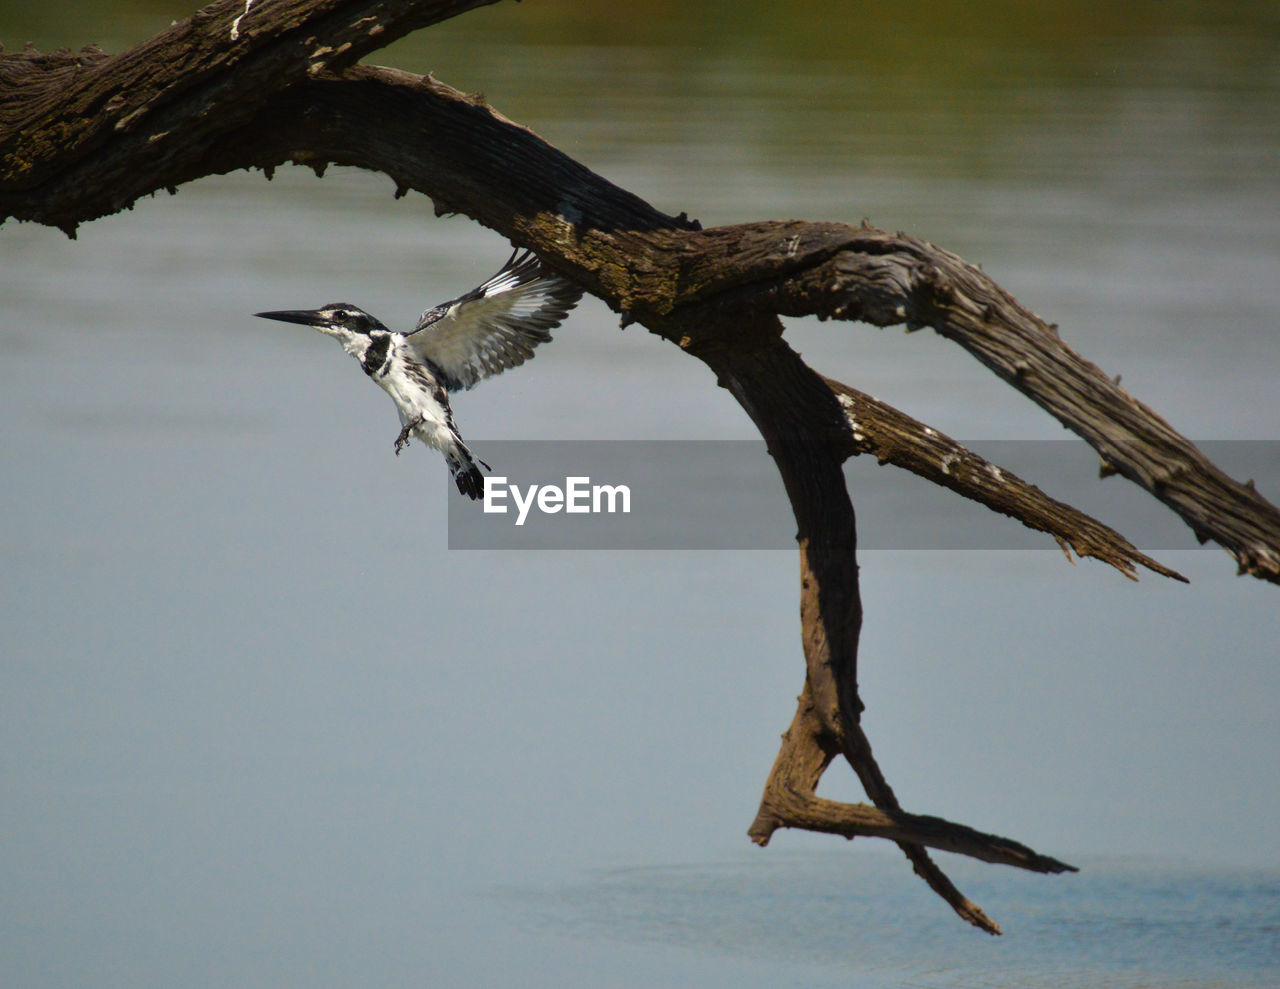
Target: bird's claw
point(403, 439)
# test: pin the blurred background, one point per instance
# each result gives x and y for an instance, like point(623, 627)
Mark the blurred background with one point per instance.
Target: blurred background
point(261, 727)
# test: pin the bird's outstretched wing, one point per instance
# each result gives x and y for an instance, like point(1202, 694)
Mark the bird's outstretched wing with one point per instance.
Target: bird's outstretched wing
point(496, 325)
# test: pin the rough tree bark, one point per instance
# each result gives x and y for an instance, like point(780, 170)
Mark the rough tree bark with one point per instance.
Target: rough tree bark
point(258, 83)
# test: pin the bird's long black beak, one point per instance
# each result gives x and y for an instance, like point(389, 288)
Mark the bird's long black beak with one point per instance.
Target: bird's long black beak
point(307, 317)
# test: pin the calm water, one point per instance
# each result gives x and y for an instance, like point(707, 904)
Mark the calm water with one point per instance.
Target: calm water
point(260, 727)
point(1120, 924)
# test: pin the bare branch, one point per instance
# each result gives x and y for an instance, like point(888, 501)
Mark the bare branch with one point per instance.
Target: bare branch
point(82, 136)
point(886, 279)
point(792, 408)
point(789, 802)
point(895, 438)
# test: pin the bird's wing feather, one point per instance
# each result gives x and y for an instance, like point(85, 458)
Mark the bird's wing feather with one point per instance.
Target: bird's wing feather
point(496, 325)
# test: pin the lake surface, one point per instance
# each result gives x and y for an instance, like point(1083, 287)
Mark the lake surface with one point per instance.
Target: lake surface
point(262, 727)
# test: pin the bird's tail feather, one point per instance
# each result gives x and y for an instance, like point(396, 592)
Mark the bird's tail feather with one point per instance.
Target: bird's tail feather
point(466, 474)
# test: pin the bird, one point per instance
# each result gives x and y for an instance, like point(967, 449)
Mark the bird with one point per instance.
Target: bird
point(453, 347)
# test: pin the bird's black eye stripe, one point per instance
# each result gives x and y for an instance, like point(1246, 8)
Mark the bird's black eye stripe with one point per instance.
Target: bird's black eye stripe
point(352, 319)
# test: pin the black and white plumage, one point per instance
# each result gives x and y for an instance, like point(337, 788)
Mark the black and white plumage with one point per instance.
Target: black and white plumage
point(454, 345)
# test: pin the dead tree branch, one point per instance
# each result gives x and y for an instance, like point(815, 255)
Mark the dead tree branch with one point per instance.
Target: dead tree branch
point(83, 136)
point(258, 84)
point(889, 279)
point(893, 437)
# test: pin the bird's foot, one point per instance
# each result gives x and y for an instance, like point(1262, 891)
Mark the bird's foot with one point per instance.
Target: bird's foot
point(403, 439)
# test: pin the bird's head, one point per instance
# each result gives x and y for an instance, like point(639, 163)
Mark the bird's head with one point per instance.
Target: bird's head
point(338, 319)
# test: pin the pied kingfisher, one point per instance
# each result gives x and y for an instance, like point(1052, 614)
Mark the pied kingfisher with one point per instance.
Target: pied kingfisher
point(454, 345)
